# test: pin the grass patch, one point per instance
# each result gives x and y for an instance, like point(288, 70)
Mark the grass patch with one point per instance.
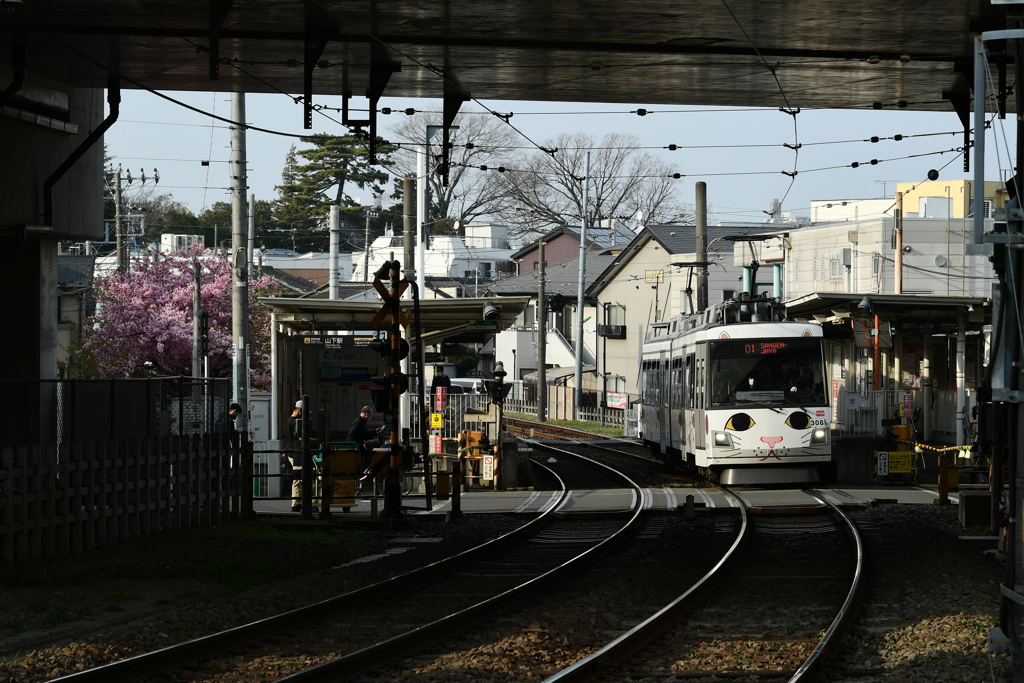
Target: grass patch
point(582, 425)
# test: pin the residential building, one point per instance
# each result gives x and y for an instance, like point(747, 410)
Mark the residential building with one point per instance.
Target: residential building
point(629, 287)
point(483, 254)
point(74, 304)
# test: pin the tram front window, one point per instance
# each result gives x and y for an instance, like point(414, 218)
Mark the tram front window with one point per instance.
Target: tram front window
point(767, 372)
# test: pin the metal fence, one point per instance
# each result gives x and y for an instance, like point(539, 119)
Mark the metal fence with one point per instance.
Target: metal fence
point(53, 412)
point(863, 412)
point(454, 414)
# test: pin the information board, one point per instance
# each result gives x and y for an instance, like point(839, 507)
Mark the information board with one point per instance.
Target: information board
point(900, 462)
point(487, 471)
point(437, 420)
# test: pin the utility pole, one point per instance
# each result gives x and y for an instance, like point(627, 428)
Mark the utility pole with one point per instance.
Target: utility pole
point(542, 338)
point(197, 328)
point(701, 191)
point(335, 240)
point(422, 183)
point(252, 232)
point(370, 213)
point(239, 256)
point(578, 394)
point(118, 228)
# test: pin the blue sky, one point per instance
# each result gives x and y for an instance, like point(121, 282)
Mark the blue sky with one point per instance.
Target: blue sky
point(742, 162)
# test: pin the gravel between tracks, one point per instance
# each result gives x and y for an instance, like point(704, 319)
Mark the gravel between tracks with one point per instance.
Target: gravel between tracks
point(930, 603)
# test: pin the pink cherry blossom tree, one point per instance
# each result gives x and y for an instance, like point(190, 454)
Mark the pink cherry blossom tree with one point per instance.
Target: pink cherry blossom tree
point(143, 321)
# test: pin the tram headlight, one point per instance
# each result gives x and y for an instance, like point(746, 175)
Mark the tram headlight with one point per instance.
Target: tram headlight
point(819, 436)
point(722, 439)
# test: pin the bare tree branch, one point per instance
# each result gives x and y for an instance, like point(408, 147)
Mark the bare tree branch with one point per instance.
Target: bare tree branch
point(625, 183)
point(470, 193)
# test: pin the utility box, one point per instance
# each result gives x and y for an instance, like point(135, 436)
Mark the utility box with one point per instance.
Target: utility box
point(975, 509)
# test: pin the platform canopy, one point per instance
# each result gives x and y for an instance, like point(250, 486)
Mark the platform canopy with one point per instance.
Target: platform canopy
point(915, 314)
point(441, 318)
point(792, 53)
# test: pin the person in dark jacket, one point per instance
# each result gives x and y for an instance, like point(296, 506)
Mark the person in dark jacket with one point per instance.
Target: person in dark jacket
point(360, 433)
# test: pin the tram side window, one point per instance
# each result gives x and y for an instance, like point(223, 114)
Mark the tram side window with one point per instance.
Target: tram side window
point(677, 374)
point(647, 382)
point(690, 381)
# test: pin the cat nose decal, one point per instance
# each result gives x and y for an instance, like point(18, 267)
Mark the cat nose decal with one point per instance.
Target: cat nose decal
point(771, 440)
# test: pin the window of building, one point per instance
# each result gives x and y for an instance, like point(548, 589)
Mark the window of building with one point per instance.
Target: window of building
point(728, 294)
point(876, 265)
point(616, 314)
point(835, 269)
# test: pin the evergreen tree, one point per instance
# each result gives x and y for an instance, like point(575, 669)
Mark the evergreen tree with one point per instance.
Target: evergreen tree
point(335, 163)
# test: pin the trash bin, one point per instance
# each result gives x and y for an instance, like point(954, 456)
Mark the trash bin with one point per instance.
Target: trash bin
point(341, 469)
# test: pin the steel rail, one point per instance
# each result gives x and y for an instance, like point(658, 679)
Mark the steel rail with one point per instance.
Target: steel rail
point(834, 632)
point(644, 632)
point(518, 423)
point(436, 630)
point(174, 655)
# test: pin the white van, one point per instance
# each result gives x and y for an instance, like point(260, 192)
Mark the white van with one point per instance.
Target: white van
point(470, 385)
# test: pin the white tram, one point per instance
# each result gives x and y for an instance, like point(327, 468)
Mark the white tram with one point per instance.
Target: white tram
point(739, 392)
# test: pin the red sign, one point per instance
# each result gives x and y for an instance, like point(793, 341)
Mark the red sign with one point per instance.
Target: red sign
point(441, 398)
point(438, 446)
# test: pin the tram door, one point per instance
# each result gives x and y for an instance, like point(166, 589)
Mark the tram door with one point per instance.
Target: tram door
point(700, 394)
point(664, 400)
point(689, 403)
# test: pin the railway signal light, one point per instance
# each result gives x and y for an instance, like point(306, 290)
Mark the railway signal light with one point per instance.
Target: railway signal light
point(383, 347)
point(556, 303)
point(204, 333)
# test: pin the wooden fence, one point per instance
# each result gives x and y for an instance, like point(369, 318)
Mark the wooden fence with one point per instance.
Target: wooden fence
point(79, 497)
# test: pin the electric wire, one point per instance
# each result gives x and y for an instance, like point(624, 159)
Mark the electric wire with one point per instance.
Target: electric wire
point(114, 72)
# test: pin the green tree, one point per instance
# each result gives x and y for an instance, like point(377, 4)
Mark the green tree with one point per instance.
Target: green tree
point(335, 164)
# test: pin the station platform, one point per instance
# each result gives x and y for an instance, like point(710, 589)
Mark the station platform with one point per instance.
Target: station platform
point(618, 500)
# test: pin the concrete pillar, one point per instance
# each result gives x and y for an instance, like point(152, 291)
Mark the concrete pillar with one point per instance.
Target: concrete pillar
point(777, 281)
point(34, 152)
point(746, 278)
point(31, 353)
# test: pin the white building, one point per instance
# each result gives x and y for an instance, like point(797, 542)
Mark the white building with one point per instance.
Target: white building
point(484, 253)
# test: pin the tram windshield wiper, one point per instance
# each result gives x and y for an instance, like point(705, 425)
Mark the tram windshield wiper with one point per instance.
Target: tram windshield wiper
point(758, 404)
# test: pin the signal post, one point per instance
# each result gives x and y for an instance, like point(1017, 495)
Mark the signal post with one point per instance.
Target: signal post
point(395, 382)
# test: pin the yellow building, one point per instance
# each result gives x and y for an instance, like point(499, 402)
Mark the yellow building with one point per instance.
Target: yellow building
point(948, 198)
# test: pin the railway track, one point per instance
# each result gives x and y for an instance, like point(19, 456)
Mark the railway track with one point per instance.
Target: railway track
point(545, 430)
point(800, 574)
point(318, 642)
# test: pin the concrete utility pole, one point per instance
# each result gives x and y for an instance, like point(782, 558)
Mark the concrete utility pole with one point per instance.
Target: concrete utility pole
point(335, 243)
point(252, 232)
point(239, 256)
point(542, 338)
point(701, 195)
point(197, 328)
point(118, 228)
point(580, 295)
point(421, 216)
point(409, 249)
